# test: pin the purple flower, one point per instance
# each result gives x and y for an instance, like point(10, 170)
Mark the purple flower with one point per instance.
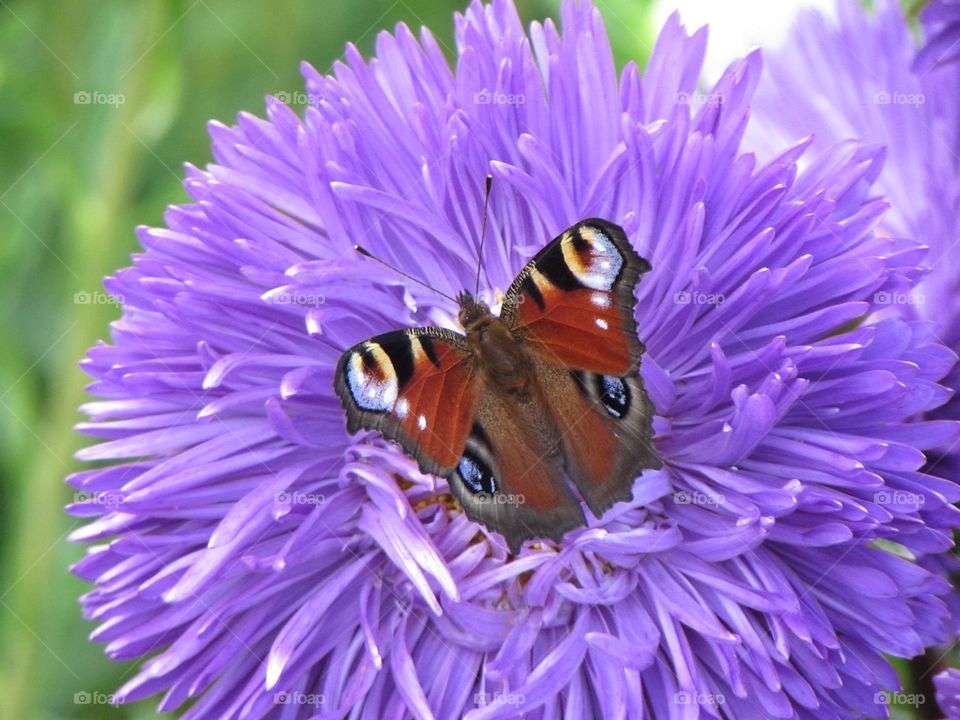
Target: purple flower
point(853, 79)
point(270, 564)
point(948, 692)
point(941, 20)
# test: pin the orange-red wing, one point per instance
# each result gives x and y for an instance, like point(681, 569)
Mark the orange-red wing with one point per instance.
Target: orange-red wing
point(511, 477)
point(605, 423)
point(574, 301)
point(416, 387)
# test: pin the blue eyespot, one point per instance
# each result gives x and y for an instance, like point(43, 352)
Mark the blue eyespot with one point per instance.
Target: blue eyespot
point(476, 475)
point(614, 394)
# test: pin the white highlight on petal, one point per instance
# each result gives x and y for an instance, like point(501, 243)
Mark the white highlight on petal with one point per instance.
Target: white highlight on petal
point(422, 422)
point(602, 324)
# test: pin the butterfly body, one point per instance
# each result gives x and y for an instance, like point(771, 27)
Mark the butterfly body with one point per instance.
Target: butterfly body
point(504, 363)
point(529, 413)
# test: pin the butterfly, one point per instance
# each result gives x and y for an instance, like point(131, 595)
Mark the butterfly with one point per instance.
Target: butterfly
point(527, 413)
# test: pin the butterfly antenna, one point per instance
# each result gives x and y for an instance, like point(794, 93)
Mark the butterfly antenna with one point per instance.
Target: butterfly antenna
point(398, 271)
point(483, 231)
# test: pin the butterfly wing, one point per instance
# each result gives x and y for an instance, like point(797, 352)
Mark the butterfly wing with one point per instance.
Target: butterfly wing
point(416, 387)
point(511, 475)
point(574, 301)
point(420, 388)
point(605, 423)
point(573, 305)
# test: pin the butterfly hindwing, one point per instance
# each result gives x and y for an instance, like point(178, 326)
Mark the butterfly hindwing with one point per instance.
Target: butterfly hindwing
point(511, 475)
point(606, 425)
point(416, 387)
point(574, 301)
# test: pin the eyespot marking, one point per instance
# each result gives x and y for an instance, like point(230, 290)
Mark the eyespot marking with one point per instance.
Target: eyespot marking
point(592, 257)
point(371, 378)
point(475, 468)
point(614, 395)
point(476, 475)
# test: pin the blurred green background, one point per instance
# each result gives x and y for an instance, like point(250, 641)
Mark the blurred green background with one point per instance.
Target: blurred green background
point(75, 179)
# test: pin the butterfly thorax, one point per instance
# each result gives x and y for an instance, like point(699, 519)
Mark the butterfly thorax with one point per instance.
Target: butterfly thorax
point(502, 360)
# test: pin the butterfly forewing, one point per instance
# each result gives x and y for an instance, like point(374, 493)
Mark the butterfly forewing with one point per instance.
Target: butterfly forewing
point(574, 301)
point(415, 386)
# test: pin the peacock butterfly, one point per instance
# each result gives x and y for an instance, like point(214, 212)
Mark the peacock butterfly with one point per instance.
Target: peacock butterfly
point(529, 412)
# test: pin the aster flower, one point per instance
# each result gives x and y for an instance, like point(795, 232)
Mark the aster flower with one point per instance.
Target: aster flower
point(853, 79)
point(941, 20)
point(265, 563)
point(948, 692)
